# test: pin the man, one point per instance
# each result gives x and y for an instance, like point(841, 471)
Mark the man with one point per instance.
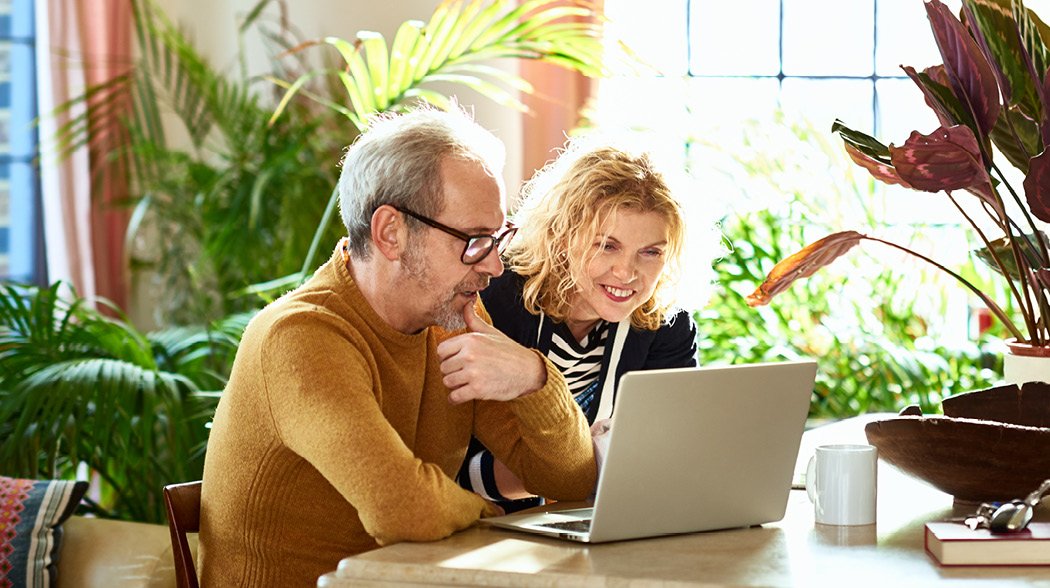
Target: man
point(347, 412)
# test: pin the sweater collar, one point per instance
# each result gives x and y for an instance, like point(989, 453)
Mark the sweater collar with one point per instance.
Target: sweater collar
point(343, 284)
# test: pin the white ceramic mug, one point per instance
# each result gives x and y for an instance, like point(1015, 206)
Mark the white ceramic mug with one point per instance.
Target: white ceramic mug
point(841, 481)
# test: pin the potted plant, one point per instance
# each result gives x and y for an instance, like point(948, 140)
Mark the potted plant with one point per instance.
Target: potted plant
point(990, 92)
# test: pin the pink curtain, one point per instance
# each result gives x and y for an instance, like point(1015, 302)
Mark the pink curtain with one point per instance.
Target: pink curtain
point(555, 106)
point(82, 43)
point(554, 111)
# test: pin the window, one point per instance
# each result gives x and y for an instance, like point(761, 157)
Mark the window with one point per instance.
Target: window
point(19, 253)
point(721, 64)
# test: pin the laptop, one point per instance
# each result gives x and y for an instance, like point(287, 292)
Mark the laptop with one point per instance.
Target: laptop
point(691, 449)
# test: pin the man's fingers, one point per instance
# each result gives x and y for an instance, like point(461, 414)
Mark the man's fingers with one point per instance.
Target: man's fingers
point(459, 396)
point(455, 380)
point(449, 347)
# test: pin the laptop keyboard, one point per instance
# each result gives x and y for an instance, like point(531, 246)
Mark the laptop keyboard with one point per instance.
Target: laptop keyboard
point(582, 526)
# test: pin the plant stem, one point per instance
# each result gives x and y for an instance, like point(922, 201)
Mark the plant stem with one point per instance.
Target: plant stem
point(1028, 317)
point(992, 306)
point(1023, 267)
point(1028, 217)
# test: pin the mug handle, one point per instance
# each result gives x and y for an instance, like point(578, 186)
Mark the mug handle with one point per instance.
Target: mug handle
point(811, 482)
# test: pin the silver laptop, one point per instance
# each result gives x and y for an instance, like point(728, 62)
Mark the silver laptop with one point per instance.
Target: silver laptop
point(692, 449)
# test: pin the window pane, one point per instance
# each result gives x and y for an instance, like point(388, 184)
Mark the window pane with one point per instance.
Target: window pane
point(728, 102)
point(5, 219)
point(639, 23)
point(23, 111)
point(23, 202)
point(903, 37)
point(22, 19)
point(822, 101)
point(828, 37)
point(719, 47)
point(902, 110)
point(655, 104)
point(18, 187)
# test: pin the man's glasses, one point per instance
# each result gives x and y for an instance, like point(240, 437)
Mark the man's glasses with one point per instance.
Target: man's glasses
point(478, 246)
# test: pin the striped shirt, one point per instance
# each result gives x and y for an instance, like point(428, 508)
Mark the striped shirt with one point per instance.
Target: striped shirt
point(580, 363)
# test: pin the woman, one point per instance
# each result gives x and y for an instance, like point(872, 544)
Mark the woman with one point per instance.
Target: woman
point(593, 269)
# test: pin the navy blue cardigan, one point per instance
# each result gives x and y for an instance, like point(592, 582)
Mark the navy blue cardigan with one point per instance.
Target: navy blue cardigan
point(672, 345)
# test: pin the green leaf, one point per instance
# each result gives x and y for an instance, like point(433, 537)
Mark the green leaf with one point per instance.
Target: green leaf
point(1004, 252)
point(378, 63)
point(949, 108)
point(1017, 137)
point(408, 36)
point(864, 143)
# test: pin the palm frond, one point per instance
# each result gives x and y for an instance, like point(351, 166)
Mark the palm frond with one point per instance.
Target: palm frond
point(78, 387)
point(449, 47)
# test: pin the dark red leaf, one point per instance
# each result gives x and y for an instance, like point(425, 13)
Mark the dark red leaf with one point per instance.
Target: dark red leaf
point(1043, 274)
point(971, 77)
point(937, 97)
point(1044, 126)
point(803, 264)
point(1037, 186)
point(882, 171)
point(946, 159)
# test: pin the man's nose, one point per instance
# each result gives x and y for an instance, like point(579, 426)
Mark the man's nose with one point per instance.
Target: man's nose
point(491, 264)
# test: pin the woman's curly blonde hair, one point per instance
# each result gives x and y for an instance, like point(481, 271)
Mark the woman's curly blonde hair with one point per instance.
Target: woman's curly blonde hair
point(566, 206)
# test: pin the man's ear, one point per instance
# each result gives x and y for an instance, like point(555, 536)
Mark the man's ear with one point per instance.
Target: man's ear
point(389, 233)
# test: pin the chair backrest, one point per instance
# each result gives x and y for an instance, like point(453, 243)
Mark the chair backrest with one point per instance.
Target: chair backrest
point(184, 516)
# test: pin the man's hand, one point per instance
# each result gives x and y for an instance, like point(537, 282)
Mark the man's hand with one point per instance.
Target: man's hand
point(492, 510)
point(485, 364)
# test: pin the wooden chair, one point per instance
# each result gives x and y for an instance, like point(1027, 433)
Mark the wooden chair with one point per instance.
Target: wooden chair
point(183, 502)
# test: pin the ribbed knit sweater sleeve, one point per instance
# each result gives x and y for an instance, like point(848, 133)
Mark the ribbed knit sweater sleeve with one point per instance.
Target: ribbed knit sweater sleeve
point(542, 437)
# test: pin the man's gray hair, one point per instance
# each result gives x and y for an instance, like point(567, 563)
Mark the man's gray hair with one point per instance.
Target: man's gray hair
point(397, 161)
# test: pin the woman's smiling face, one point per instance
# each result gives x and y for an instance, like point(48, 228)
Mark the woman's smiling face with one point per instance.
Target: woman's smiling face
point(626, 260)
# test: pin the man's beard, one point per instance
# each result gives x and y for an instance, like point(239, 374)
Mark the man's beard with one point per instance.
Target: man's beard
point(444, 313)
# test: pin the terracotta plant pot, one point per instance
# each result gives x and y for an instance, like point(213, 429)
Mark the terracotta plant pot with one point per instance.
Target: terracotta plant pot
point(1026, 363)
point(991, 445)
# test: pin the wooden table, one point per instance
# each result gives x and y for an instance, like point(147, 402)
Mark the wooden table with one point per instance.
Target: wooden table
point(792, 552)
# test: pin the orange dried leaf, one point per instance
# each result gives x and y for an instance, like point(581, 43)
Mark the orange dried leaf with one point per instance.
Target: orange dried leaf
point(803, 264)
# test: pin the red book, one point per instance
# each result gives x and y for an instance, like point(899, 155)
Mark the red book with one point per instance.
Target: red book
point(955, 544)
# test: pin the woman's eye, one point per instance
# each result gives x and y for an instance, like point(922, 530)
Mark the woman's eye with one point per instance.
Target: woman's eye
point(652, 253)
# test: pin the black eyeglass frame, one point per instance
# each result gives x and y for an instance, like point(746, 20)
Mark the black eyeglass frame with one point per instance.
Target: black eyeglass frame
point(497, 242)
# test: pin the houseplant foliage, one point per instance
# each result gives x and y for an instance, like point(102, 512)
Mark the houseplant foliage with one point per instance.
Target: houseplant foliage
point(221, 198)
point(251, 197)
point(80, 388)
point(456, 46)
point(990, 91)
point(990, 99)
point(877, 353)
point(238, 202)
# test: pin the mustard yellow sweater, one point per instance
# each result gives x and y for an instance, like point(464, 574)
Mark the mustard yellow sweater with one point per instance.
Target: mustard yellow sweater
point(334, 436)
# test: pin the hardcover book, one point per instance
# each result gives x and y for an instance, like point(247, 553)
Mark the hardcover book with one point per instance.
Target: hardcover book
point(955, 544)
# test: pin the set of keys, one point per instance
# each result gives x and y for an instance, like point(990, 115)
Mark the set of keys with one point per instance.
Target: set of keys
point(981, 518)
point(1007, 517)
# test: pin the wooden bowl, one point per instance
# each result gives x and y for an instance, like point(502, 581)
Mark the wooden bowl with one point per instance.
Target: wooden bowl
point(973, 460)
point(1028, 405)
